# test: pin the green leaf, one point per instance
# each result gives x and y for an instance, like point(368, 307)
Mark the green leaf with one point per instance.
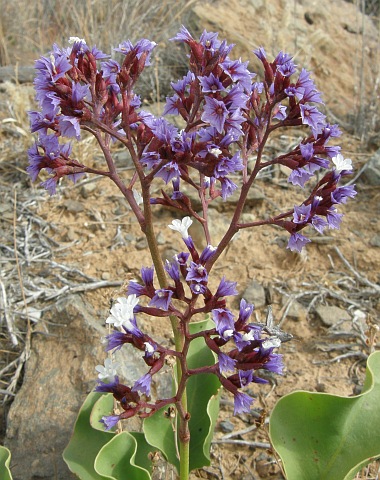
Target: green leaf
point(203, 406)
point(202, 398)
point(86, 441)
point(102, 407)
point(330, 437)
point(125, 457)
point(5, 458)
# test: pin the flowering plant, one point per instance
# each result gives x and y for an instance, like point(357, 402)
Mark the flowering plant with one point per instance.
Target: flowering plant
point(228, 117)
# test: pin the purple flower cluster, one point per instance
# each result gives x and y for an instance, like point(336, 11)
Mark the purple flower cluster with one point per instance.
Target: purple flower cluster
point(235, 367)
point(228, 117)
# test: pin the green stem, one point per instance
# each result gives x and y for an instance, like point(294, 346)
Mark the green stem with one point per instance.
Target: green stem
point(179, 337)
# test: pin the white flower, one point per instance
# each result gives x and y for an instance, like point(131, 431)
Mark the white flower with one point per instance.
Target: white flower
point(342, 163)
point(247, 337)
point(107, 372)
point(149, 348)
point(272, 342)
point(73, 40)
point(137, 196)
point(182, 226)
point(215, 151)
point(227, 334)
point(122, 311)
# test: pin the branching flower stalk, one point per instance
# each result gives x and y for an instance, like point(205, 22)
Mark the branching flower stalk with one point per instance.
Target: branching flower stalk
point(228, 119)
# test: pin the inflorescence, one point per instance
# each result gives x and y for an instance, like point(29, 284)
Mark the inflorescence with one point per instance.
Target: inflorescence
point(228, 116)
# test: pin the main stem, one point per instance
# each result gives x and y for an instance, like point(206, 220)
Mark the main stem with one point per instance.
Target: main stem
point(179, 337)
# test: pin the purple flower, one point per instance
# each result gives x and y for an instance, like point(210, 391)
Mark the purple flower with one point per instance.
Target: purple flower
point(79, 92)
point(110, 387)
point(161, 299)
point(245, 311)
point(287, 69)
point(55, 67)
point(207, 253)
point(198, 288)
point(281, 113)
point(110, 69)
point(245, 377)
point(301, 214)
point(226, 165)
point(297, 241)
point(299, 176)
point(209, 40)
point(274, 364)
point(143, 384)
point(116, 340)
point(223, 319)
point(143, 46)
point(211, 84)
point(318, 223)
point(313, 117)
point(226, 288)
point(228, 187)
point(173, 270)
point(215, 113)
point(341, 194)
point(334, 218)
point(183, 35)
point(110, 421)
point(168, 172)
point(196, 272)
point(226, 363)
point(182, 258)
point(237, 70)
point(242, 403)
point(69, 126)
point(260, 53)
point(50, 185)
point(147, 275)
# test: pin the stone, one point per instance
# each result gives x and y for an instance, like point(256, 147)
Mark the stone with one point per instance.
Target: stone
point(296, 310)
point(331, 315)
point(375, 241)
point(58, 376)
point(255, 293)
point(226, 426)
point(88, 189)
point(371, 174)
point(142, 244)
point(73, 206)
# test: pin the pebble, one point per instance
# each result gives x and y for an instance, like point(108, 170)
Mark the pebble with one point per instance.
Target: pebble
point(375, 241)
point(331, 315)
point(142, 244)
point(226, 426)
point(87, 189)
point(296, 311)
point(255, 293)
point(73, 206)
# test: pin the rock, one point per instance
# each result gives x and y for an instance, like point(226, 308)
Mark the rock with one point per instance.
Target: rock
point(296, 310)
point(88, 189)
point(73, 206)
point(142, 244)
point(255, 293)
point(331, 315)
point(58, 376)
point(226, 426)
point(371, 174)
point(375, 241)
